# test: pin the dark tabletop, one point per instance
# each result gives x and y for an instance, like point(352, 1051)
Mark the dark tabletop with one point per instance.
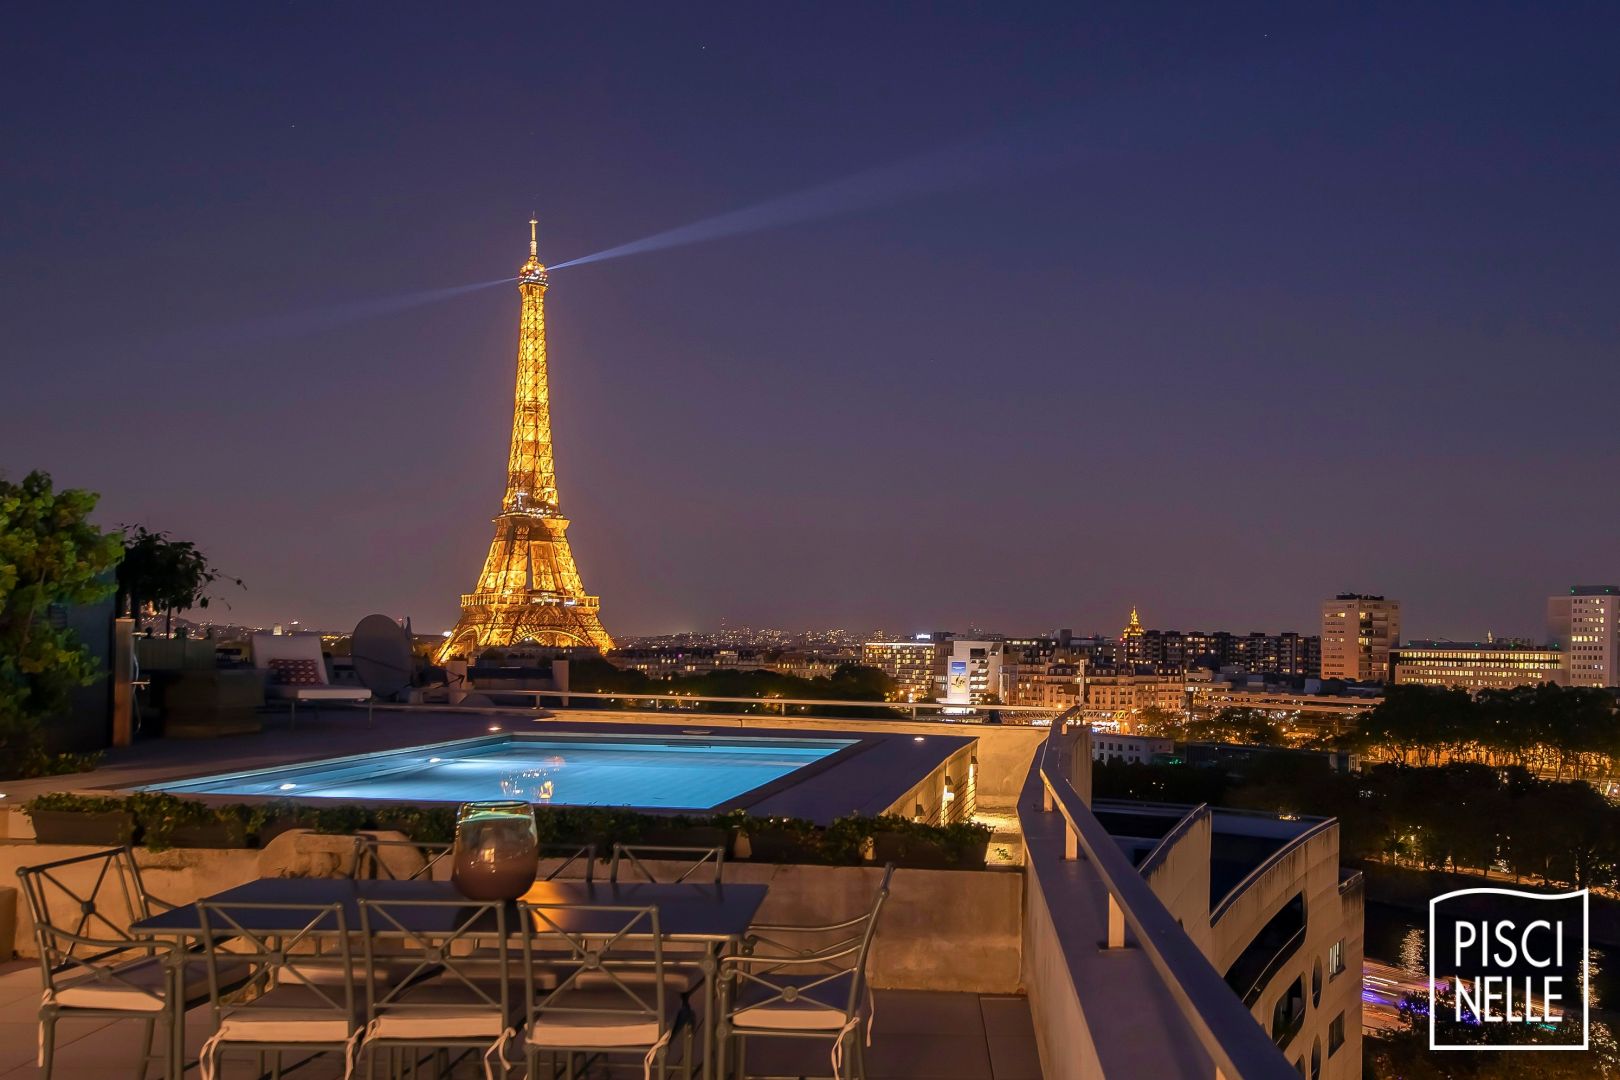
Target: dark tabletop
point(695, 912)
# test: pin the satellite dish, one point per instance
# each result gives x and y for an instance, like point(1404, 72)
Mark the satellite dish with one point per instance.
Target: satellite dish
point(381, 650)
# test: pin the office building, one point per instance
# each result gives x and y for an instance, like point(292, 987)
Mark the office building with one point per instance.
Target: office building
point(973, 672)
point(1358, 632)
point(1478, 665)
point(1585, 624)
point(910, 662)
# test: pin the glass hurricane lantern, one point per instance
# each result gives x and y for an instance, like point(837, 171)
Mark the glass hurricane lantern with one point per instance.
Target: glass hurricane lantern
point(497, 852)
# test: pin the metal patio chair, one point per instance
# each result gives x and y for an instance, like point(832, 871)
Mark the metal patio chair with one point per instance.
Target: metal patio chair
point(461, 994)
point(90, 965)
point(802, 982)
point(702, 865)
point(299, 1001)
point(372, 866)
point(578, 861)
point(612, 996)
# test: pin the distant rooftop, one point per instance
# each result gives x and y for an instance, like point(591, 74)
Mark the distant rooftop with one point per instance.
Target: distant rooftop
point(1499, 645)
point(1240, 840)
point(1594, 590)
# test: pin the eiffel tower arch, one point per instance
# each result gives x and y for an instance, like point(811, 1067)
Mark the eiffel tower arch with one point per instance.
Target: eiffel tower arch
point(529, 589)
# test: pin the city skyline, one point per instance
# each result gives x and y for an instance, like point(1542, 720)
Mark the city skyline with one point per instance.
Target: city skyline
point(1214, 316)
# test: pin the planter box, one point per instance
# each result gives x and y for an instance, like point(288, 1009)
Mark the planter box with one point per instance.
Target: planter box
point(693, 836)
point(213, 834)
point(783, 846)
point(920, 853)
point(105, 829)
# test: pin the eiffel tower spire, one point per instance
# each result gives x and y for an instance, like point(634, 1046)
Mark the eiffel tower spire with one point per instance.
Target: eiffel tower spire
point(529, 590)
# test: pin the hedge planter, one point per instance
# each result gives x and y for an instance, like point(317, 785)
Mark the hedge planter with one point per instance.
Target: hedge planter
point(212, 834)
point(107, 828)
point(693, 836)
point(924, 853)
point(780, 845)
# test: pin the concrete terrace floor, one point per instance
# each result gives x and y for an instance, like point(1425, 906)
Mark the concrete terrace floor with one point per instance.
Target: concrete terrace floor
point(919, 1035)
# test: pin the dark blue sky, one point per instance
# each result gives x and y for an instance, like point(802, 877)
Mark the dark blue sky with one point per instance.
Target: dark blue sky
point(1216, 311)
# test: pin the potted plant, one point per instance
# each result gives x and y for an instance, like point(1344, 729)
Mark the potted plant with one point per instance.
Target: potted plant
point(66, 818)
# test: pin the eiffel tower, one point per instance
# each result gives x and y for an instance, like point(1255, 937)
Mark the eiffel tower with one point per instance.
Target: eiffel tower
point(529, 590)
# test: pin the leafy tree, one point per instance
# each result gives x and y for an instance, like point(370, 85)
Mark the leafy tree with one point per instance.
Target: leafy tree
point(1153, 720)
point(848, 682)
point(1404, 1054)
point(49, 555)
point(1246, 727)
point(166, 575)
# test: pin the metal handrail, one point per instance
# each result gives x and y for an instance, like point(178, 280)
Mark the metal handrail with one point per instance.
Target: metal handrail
point(693, 699)
point(1225, 1029)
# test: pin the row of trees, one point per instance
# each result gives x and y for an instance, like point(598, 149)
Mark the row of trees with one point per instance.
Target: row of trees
point(1248, 727)
point(849, 682)
point(1560, 730)
point(1461, 816)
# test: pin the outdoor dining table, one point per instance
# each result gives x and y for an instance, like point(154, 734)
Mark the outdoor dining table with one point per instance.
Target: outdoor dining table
point(716, 916)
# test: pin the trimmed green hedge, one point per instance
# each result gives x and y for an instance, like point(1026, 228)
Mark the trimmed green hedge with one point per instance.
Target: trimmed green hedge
point(847, 841)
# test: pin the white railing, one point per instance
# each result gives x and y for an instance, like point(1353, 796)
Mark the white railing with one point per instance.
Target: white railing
point(1031, 715)
point(1225, 1029)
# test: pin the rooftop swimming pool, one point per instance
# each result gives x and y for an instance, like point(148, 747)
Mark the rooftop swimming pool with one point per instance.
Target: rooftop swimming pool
point(688, 772)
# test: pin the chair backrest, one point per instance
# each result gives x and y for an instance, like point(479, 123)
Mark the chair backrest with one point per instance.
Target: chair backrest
point(439, 938)
point(82, 908)
point(578, 862)
point(868, 933)
point(372, 864)
point(784, 968)
point(608, 947)
point(268, 647)
point(700, 865)
point(285, 944)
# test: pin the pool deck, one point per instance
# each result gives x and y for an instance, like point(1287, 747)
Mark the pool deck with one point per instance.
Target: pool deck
point(866, 779)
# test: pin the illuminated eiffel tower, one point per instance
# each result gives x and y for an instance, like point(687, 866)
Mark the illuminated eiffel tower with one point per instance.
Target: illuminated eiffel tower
point(529, 590)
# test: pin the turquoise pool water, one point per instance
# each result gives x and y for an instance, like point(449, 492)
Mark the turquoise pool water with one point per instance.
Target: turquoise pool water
point(685, 772)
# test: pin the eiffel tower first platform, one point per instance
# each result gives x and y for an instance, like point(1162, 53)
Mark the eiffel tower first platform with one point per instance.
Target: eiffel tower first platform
point(529, 590)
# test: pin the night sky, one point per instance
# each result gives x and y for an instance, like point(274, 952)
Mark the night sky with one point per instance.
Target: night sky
point(1213, 311)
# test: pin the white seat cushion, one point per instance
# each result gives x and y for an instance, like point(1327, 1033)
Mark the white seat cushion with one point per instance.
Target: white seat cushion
point(286, 1014)
point(319, 693)
point(329, 971)
point(678, 979)
point(439, 1009)
point(561, 1026)
point(139, 985)
point(818, 1008)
